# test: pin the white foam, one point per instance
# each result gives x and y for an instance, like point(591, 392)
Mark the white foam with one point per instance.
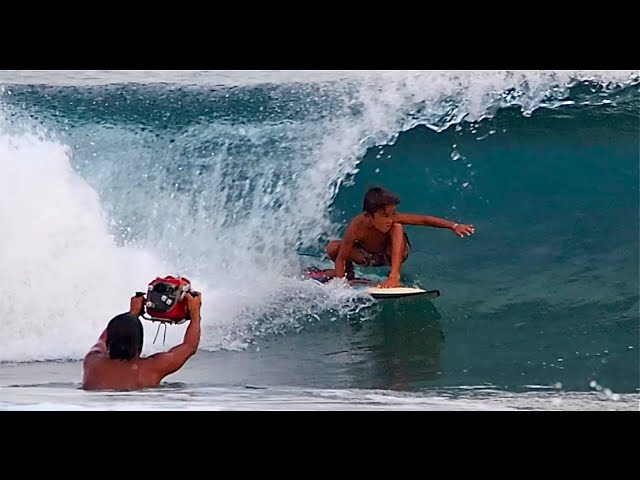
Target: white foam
point(252, 77)
point(62, 275)
point(292, 398)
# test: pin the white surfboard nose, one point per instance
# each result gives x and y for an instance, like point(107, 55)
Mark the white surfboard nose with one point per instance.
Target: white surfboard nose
point(377, 292)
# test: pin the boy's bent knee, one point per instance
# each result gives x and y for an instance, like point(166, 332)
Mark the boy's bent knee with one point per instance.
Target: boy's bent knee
point(396, 227)
point(332, 249)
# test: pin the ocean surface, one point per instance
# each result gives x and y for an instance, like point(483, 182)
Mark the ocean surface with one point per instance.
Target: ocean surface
point(237, 179)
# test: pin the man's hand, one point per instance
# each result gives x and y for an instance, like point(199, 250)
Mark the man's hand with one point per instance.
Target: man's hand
point(460, 229)
point(391, 282)
point(194, 301)
point(136, 305)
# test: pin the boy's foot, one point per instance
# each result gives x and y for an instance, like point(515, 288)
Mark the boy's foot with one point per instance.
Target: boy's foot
point(324, 275)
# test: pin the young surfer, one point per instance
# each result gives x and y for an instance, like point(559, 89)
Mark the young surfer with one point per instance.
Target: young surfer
point(376, 237)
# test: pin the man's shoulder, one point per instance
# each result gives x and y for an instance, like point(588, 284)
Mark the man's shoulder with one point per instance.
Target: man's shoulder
point(93, 356)
point(149, 361)
point(154, 361)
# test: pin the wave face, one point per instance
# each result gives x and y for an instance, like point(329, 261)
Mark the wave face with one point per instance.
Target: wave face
point(227, 178)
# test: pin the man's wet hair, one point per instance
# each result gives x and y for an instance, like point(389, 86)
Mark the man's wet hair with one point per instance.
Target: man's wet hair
point(124, 336)
point(378, 198)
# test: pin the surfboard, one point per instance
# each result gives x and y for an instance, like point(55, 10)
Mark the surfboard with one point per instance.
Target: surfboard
point(369, 287)
point(398, 292)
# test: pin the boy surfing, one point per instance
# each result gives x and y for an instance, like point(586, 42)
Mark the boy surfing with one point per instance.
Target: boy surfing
point(376, 237)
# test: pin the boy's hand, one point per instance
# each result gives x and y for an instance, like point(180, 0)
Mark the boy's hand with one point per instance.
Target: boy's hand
point(460, 229)
point(392, 281)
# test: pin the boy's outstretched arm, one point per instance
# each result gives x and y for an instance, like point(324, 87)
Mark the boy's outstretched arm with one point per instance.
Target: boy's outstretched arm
point(459, 229)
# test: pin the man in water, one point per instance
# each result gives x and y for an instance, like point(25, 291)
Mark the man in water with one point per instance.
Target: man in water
point(376, 237)
point(114, 362)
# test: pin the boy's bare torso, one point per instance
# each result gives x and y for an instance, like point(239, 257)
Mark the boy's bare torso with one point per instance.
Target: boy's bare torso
point(368, 237)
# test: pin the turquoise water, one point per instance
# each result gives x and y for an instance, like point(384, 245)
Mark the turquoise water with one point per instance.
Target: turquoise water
point(237, 180)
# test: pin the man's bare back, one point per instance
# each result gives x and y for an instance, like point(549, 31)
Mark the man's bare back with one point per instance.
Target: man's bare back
point(107, 374)
point(104, 373)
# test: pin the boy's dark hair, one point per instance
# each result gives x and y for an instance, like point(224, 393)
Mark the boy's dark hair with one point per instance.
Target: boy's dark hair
point(377, 198)
point(124, 336)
